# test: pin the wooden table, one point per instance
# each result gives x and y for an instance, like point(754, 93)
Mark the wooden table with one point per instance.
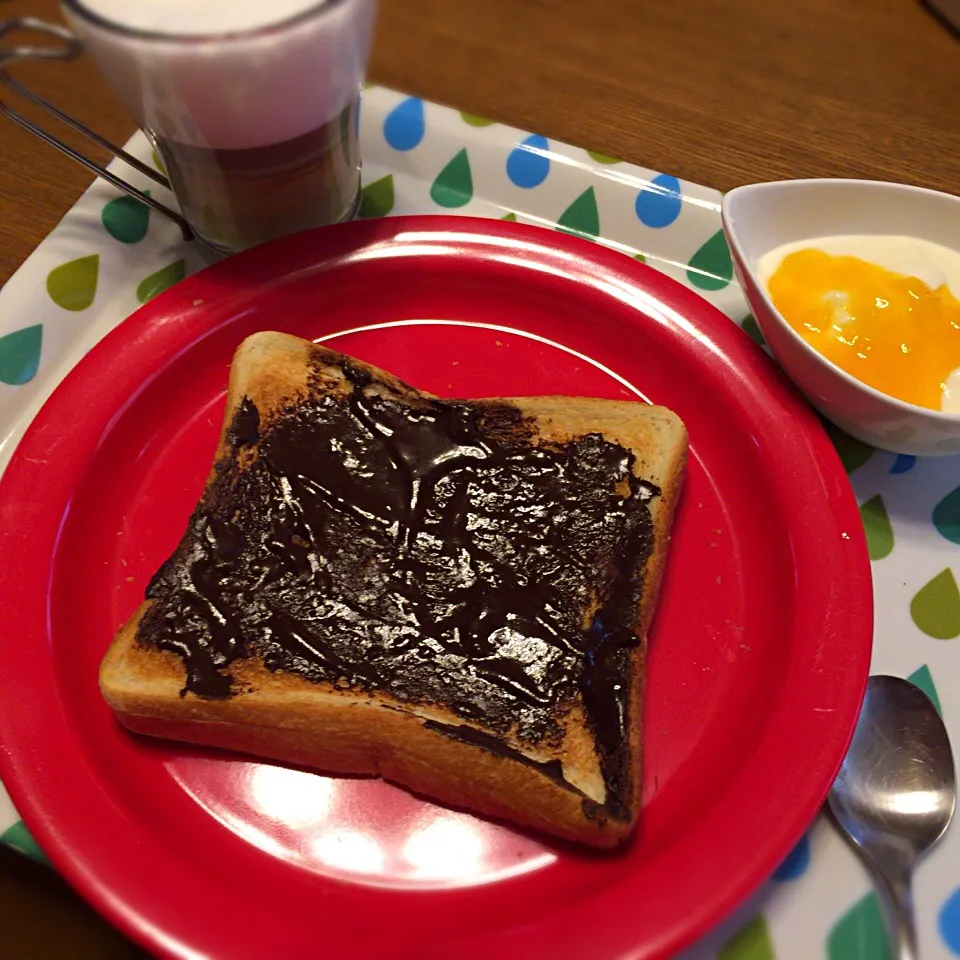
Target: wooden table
point(720, 93)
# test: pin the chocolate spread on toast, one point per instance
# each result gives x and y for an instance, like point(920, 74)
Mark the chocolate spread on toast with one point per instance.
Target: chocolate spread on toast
point(432, 550)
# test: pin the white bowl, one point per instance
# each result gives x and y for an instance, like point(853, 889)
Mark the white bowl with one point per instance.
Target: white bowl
point(759, 217)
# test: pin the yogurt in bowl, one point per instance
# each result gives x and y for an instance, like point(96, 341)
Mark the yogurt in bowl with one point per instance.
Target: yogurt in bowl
point(856, 287)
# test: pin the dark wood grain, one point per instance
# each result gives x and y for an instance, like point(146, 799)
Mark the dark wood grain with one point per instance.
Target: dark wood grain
point(721, 92)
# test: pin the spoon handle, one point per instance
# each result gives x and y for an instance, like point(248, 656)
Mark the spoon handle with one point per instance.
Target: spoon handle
point(896, 892)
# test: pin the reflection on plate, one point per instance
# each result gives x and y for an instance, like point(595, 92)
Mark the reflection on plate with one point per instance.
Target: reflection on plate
point(357, 829)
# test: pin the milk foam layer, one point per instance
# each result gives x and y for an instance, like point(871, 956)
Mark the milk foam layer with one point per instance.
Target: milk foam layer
point(233, 91)
point(203, 17)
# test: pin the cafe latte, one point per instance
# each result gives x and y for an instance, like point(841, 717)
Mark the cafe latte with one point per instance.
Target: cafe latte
point(252, 106)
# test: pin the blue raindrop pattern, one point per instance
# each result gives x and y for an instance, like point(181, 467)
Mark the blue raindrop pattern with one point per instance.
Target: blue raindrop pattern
point(529, 162)
point(659, 204)
point(405, 125)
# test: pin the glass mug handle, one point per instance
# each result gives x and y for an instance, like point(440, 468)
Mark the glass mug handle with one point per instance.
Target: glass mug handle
point(69, 49)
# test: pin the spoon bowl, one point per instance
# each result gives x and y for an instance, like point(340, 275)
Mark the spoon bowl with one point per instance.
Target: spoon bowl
point(896, 792)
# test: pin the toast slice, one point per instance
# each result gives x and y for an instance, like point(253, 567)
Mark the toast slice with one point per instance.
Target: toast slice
point(453, 595)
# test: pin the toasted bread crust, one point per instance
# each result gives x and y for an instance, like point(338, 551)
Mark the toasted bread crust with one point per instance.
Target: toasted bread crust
point(290, 719)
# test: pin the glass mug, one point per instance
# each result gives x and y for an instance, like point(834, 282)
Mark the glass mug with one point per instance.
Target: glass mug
point(253, 114)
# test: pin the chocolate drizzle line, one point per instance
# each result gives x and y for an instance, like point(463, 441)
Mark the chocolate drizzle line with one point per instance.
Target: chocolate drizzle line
point(432, 550)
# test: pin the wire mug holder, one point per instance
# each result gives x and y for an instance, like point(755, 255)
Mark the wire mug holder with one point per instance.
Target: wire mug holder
point(69, 49)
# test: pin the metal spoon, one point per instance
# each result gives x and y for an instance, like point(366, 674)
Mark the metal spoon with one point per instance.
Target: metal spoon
point(895, 794)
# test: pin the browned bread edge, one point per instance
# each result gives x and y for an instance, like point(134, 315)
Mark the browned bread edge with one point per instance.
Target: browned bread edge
point(292, 720)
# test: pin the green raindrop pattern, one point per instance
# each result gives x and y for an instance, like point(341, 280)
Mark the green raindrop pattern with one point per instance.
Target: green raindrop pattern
point(751, 328)
point(853, 453)
point(935, 608)
point(73, 285)
point(860, 934)
point(475, 120)
point(20, 838)
point(924, 680)
point(876, 525)
point(711, 267)
point(20, 355)
point(751, 942)
point(162, 280)
point(377, 198)
point(126, 218)
point(454, 184)
point(603, 158)
point(581, 218)
point(946, 516)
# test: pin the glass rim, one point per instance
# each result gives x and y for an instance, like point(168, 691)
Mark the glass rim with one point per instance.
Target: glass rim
point(318, 7)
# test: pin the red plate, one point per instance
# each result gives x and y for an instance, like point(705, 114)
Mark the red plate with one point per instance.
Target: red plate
point(760, 648)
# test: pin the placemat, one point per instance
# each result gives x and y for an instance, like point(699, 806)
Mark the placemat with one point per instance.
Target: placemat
point(110, 254)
